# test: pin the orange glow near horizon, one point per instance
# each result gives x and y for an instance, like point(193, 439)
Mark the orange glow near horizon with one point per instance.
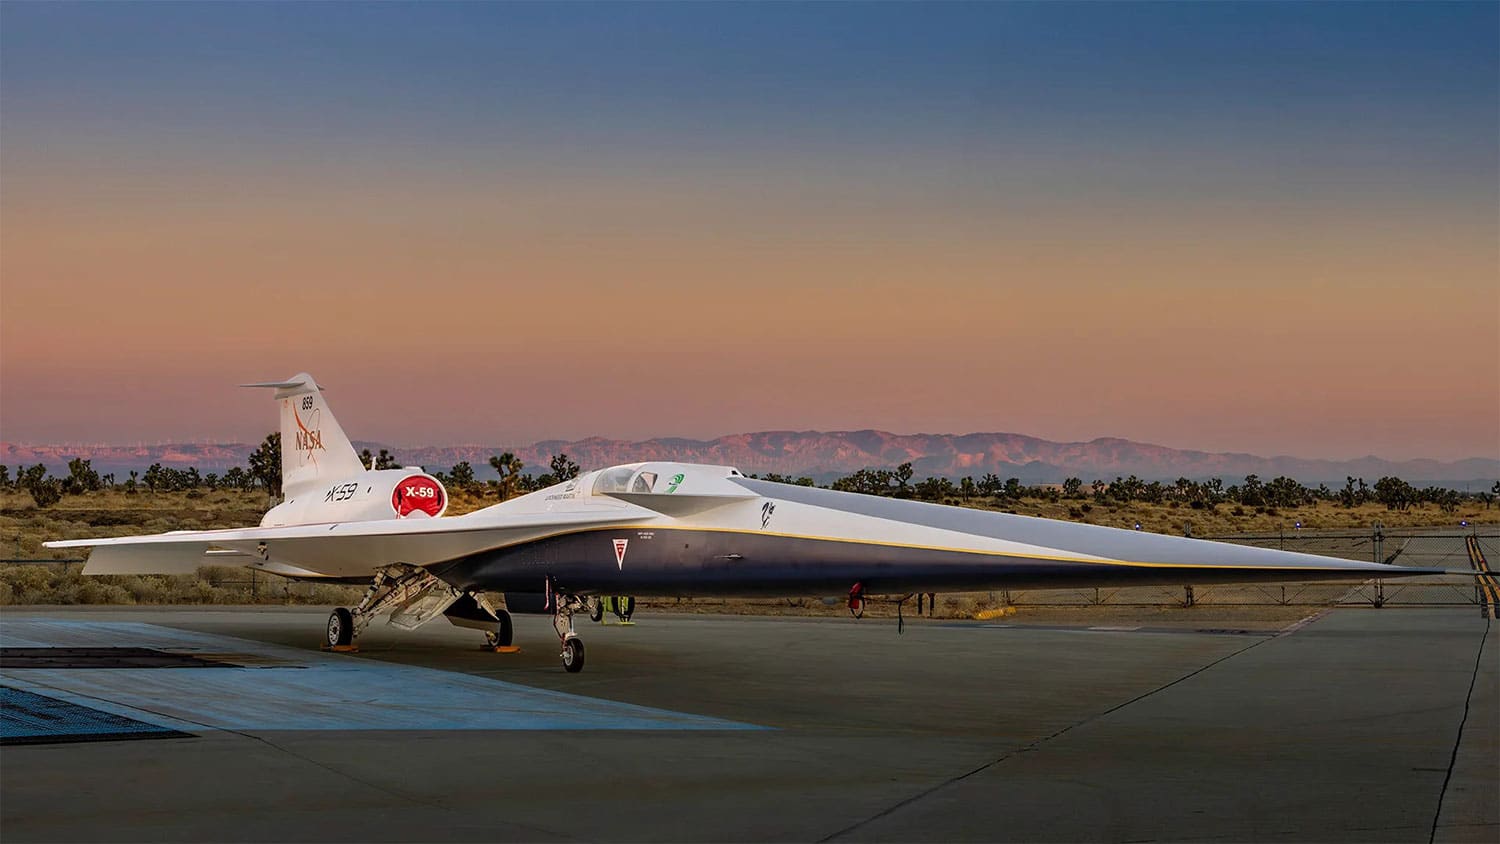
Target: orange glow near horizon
point(1356, 337)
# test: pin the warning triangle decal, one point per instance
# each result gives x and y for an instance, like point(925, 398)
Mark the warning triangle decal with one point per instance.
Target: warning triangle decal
point(620, 553)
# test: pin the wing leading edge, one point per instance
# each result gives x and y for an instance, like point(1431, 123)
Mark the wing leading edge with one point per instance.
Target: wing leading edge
point(336, 550)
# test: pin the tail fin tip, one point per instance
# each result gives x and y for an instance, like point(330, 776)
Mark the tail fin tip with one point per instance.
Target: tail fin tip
point(314, 448)
point(299, 383)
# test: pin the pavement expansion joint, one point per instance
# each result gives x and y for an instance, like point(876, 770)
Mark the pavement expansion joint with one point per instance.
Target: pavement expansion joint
point(1459, 734)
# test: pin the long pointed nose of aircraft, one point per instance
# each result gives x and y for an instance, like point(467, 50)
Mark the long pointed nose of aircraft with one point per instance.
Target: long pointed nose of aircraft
point(1092, 546)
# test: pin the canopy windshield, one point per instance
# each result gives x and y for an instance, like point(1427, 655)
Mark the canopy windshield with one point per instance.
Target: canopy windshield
point(624, 479)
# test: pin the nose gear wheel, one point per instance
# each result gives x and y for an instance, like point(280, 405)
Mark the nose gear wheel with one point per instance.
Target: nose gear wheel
point(564, 605)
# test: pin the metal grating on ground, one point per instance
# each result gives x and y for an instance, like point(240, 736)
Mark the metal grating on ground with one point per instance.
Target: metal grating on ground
point(104, 658)
point(292, 689)
point(29, 718)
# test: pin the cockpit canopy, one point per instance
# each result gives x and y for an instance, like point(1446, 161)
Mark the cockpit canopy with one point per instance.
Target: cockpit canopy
point(659, 478)
point(630, 478)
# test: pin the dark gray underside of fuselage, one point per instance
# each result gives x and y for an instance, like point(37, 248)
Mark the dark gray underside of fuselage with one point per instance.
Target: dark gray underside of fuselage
point(688, 562)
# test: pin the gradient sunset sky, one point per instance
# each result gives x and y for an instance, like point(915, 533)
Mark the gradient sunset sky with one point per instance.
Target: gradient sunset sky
point(1269, 227)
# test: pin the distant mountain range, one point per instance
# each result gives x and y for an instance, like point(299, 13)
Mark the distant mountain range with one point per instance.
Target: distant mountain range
point(824, 455)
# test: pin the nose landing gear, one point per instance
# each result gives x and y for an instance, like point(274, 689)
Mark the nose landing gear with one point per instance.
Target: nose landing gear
point(563, 607)
point(572, 655)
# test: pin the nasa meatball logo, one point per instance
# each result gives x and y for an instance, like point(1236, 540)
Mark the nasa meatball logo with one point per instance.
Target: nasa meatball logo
point(417, 493)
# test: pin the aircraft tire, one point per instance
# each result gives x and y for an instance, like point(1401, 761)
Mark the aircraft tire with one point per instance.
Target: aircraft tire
point(572, 655)
point(596, 610)
point(340, 627)
point(505, 630)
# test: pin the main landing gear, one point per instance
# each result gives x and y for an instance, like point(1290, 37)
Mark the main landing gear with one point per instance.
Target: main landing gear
point(413, 592)
point(414, 596)
point(504, 633)
point(341, 630)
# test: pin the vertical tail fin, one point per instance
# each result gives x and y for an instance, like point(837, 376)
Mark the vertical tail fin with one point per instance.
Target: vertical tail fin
point(314, 449)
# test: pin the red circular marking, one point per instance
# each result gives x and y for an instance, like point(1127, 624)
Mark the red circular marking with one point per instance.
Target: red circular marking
point(417, 492)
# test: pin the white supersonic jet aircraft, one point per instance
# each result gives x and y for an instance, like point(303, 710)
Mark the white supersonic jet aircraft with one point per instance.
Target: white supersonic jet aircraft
point(658, 528)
